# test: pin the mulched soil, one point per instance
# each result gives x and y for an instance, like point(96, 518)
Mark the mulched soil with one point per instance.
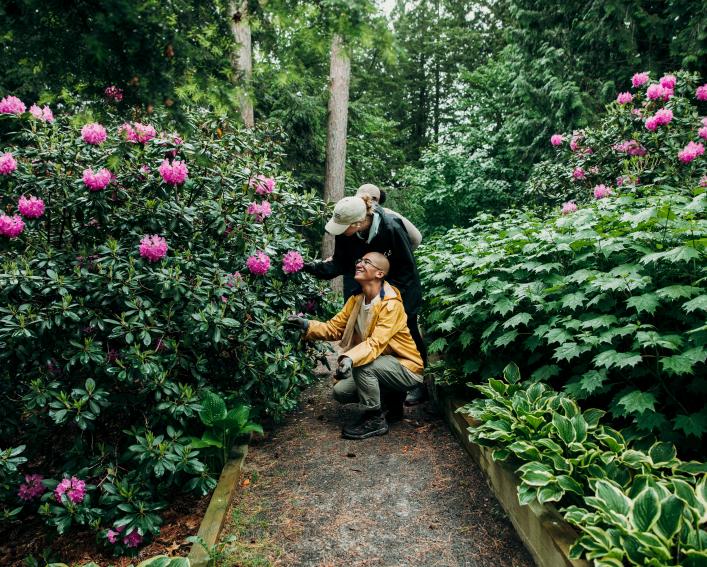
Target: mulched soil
point(411, 497)
point(33, 537)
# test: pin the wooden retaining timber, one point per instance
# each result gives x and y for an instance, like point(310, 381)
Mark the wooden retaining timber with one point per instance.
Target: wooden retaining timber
point(215, 517)
point(541, 527)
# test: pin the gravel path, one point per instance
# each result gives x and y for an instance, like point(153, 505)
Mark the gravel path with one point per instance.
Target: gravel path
point(412, 497)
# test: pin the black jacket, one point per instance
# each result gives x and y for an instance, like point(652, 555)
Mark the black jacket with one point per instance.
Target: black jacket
point(391, 240)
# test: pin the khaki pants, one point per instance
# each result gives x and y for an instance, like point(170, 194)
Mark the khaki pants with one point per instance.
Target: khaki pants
point(364, 386)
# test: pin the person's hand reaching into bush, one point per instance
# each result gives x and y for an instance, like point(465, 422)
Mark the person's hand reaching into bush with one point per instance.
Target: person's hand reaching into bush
point(298, 323)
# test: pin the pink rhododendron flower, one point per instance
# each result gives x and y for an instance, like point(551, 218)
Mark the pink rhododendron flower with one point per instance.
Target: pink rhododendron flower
point(701, 92)
point(32, 487)
point(93, 133)
point(133, 539)
point(651, 123)
point(31, 208)
point(12, 105)
point(664, 116)
point(292, 262)
point(557, 139)
point(260, 210)
point(153, 247)
point(639, 79)
point(620, 181)
point(258, 264)
point(74, 488)
point(98, 180)
point(637, 112)
point(601, 191)
point(569, 207)
point(655, 92)
point(690, 152)
point(624, 98)
point(113, 535)
point(8, 164)
point(702, 132)
point(576, 138)
point(630, 147)
point(114, 93)
point(177, 140)
point(175, 173)
point(262, 185)
point(233, 279)
point(44, 114)
point(668, 82)
point(579, 173)
point(137, 133)
point(12, 226)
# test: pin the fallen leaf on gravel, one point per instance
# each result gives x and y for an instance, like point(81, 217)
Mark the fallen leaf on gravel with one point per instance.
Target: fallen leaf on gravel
point(246, 482)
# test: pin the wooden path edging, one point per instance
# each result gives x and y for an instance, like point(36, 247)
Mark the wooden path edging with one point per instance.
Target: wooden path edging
point(215, 516)
point(542, 529)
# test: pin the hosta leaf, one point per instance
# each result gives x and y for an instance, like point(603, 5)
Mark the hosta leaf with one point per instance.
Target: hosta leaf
point(694, 424)
point(669, 520)
point(662, 453)
point(638, 402)
point(700, 302)
point(612, 496)
point(564, 428)
point(647, 302)
point(518, 319)
point(645, 510)
point(568, 351)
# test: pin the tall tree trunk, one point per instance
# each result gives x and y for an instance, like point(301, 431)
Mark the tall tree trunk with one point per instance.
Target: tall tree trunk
point(437, 55)
point(339, 73)
point(242, 60)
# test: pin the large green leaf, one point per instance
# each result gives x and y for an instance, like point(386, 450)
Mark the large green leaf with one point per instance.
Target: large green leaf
point(564, 428)
point(637, 401)
point(670, 515)
point(612, 496)
point(213, 408)
point(645, 510)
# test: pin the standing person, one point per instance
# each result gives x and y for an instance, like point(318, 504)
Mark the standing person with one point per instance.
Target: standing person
point(380, 361)
point(360, 226)
point(378, 196)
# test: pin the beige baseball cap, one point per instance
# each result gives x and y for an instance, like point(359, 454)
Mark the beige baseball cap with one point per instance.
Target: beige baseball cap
point(346, 212)
point(371, 189)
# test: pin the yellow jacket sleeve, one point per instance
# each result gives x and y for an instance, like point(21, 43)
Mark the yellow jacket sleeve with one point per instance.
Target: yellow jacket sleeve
point(391, 320)
point(333, 329)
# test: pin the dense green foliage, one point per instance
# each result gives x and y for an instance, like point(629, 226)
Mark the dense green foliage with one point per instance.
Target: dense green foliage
point(607, 302)
point(639, 505)
point(104, 354)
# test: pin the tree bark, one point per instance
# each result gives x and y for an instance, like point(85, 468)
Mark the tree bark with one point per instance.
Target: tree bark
point(339, 74)
point(242, 60)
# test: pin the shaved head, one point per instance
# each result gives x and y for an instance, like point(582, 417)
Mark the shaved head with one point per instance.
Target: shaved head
point(379, 261)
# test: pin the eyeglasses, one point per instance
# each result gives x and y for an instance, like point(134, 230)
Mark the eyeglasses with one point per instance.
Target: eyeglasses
point(367, 262)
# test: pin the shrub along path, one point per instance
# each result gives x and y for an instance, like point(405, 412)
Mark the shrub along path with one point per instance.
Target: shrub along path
point(412, 497)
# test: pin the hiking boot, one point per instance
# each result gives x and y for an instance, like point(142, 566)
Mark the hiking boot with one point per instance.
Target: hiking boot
point(416, 396)
point(370, 426)
point(392, 404)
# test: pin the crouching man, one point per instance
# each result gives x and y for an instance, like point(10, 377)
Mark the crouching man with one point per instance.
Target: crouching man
point(380, 362)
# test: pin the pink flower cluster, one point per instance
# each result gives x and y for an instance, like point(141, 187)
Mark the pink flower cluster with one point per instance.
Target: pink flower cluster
point(579, 173)
point(661, 118)
point(32, 487)
point(263, 185)
point(658, 92)
point(137, 133)
point(31, 208)
point(8, 164)
point(639, 79)
point(569, 207)
point(153, 247)
point(74, 489)
point(668, 82)
point(233, 279)
point(98, 180)
point(557, 139)
point(690, 152)
point(292, 262)
point(11, 227)
point(93, 133)
point(44, 114)
point(701, 92)
point(114, 93)
point(175, 173)
point(624, 98)
point(258, 264)
point(574, 142)
point(12, 105)
point(703, 181)
point(133, 539)
point(601, 191)
point(630, 147)
point(260, 210)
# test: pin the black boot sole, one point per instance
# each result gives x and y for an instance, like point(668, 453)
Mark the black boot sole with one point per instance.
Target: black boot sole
point(381, 431)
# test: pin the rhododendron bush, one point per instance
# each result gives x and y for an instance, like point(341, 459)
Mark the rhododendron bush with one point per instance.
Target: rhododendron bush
point(134, 275)
point(602, 293)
